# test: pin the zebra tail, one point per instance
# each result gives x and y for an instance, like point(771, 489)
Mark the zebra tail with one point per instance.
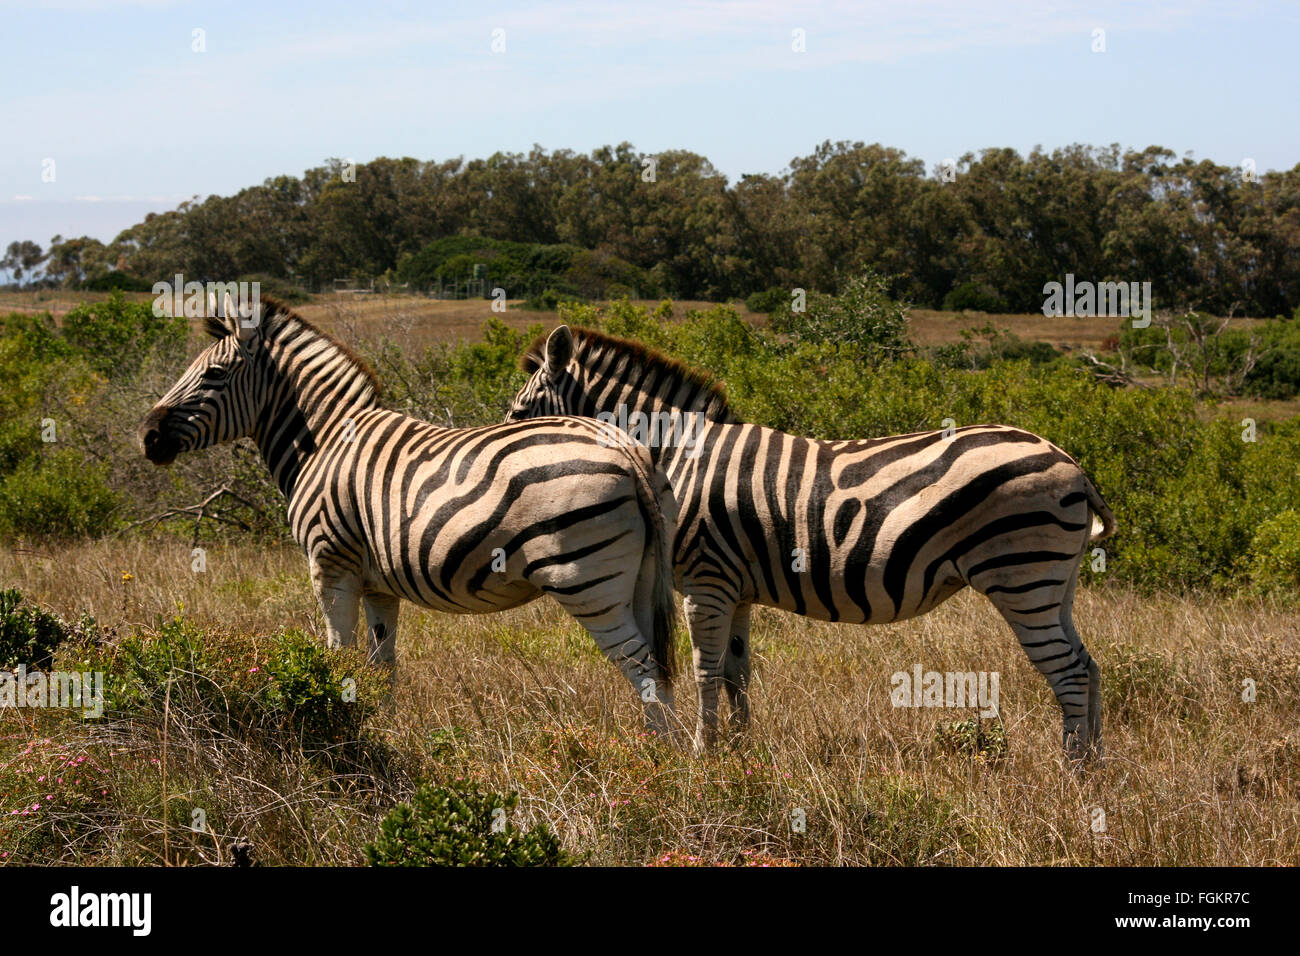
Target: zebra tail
point(1101, 510)
point(660, 528)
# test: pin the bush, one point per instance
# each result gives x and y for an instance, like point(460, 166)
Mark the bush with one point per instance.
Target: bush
point(119, 281)
point(1275, 555)
point(57, 496)
point(461, 826)
point(286, 683)
point(115, 337)
point(862, 319)
point(774, 299)
point(1276, 374)
point(28, 635)
point(973, 297)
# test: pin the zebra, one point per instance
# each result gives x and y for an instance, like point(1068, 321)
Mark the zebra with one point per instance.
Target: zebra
point(888, 528)
point(467, 521)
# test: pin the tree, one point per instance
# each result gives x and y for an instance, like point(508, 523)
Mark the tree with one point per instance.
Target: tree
point(22, 258)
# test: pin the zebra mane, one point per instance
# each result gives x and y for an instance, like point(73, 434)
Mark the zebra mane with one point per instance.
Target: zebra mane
point(279, 320)
point(590, 345)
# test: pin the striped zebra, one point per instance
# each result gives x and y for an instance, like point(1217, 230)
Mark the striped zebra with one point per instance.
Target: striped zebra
point(465, 521)
point(858, 531)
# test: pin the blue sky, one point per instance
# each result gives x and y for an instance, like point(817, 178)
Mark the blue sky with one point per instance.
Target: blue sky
point(136, 120)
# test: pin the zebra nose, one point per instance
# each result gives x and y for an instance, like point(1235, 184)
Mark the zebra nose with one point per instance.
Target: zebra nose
point(150, 437)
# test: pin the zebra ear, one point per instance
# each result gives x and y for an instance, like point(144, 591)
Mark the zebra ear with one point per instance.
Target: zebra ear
point(248, 322)
point(212, 323)
point(559, 349)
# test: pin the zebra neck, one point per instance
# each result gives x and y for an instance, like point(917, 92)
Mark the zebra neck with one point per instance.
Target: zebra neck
point(670, 432)
point(316, 391)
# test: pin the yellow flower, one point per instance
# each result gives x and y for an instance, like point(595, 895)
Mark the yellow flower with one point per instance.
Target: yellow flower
point(127, 576)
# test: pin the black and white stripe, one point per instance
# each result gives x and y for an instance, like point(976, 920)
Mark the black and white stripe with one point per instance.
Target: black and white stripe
point(460, 520)
point(889, 528)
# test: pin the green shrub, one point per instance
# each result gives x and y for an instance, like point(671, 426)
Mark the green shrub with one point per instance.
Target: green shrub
point(310, 690)
point(116, 336)
point(862, 319)
point(774, 299)
point(28, 635)
point(973, 297)
point(1276, 374)
point(547, 300)
point(60, 495)
point(1275, 555)
point(287, 682)
point(117, 280)
point(461, 826)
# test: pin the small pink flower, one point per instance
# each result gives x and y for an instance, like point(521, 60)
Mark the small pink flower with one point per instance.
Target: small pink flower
point(253, 670)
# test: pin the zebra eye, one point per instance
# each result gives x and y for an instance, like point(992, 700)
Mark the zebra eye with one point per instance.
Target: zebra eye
point(217, 373)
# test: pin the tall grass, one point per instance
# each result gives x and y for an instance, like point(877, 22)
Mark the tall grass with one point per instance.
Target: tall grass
point(522, 701)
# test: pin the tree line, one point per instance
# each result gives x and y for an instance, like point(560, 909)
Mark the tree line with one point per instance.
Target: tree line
point(985, 232)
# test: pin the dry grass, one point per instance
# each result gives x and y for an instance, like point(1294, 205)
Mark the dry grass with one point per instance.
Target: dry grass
point(522, 701)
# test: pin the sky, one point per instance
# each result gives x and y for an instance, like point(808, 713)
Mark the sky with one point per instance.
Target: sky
point(131, 107)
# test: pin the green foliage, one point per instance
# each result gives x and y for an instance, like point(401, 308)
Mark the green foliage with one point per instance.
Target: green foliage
point(117, 280)
point(490, 368)
point(461, 826)
point(28, 635)
point(773, 299)
point(547, 273)
point(287, 682)
point(116, 336)
point(973, 297)
point(987, 240)
point(1275, 555)
point(862, 319)
point(59, 495)
point(315, 691)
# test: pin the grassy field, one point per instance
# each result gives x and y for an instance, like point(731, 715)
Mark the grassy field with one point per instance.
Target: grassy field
point(522, 701)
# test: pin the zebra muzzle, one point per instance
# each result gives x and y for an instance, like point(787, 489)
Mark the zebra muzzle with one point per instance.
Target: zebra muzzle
point(158, 443)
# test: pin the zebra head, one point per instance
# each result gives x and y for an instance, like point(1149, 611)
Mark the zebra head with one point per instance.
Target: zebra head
point(217, 399)
point(554, 388)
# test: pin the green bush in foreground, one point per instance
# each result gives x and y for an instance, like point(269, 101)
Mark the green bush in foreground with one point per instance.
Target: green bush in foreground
point(288, 681)
point(28, 635)
point(461, 826)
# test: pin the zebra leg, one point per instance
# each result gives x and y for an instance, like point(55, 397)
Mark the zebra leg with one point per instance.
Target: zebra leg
point(709, 620)
point(338, 593)
point(1040, 618)
point(1094, 681)
point(735, 668)
point(616, 633)
point(381, 625)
